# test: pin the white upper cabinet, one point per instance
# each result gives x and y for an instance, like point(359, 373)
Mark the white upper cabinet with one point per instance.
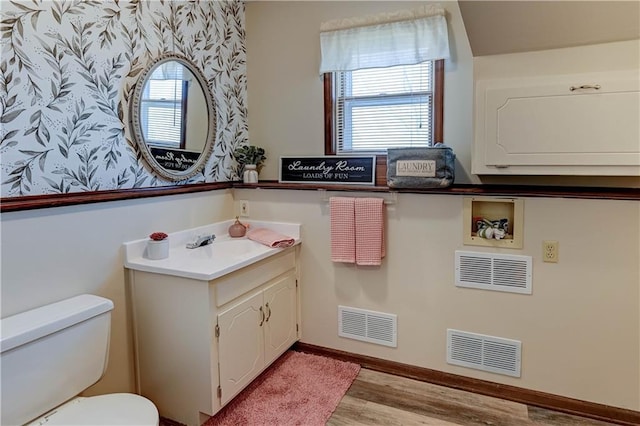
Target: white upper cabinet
point(558, 124)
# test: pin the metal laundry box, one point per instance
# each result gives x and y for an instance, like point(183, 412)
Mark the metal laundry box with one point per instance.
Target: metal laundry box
point(432, 167)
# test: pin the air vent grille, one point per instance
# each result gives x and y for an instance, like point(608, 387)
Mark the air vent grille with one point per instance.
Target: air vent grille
point(481, 352)
point(368, 326)
point(492, 271)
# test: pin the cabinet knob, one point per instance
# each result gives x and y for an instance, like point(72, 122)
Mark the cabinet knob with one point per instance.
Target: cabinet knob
point(261, 317)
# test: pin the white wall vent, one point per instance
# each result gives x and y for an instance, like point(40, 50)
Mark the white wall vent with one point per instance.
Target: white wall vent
point(368, 326)
point(481, 352)
point(492, 271)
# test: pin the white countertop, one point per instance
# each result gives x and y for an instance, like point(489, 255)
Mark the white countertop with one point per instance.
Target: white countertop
point(212, 261)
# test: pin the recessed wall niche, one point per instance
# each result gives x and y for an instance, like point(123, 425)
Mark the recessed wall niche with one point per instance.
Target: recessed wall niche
point(493, 222)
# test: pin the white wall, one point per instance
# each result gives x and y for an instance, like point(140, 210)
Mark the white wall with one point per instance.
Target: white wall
point(581, 327)
point(285, 88)
point(52, 254)
point(197, 118)
point(286, 97)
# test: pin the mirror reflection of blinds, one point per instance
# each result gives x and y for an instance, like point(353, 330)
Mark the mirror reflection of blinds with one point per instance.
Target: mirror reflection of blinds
point(161, 112)
point(384, 108)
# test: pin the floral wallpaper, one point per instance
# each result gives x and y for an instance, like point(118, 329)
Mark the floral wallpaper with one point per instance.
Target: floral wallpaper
point(67, 72)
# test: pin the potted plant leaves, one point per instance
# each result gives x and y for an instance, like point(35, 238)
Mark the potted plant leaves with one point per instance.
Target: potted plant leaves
point(251, 159)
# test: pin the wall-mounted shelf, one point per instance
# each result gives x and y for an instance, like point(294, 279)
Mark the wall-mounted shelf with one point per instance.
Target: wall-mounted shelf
point(491, 209)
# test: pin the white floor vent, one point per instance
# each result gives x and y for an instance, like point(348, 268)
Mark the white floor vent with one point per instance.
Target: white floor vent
point(492, 271)
point(368, 326)
point(487, 353)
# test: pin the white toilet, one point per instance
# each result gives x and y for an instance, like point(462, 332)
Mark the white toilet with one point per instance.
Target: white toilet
point(50, 354)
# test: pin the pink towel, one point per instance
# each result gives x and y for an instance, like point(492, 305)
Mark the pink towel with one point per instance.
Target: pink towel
point(270, 238)
point(369, 217)
point(343, 230)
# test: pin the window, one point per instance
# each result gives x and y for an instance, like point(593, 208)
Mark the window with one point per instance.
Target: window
point(162, 108)
point(383, 81)
point(370, 110)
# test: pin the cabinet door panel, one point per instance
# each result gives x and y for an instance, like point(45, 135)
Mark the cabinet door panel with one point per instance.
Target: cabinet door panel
point(241, 343)
point(539, 128)
point(558, 124)
point(280, 305)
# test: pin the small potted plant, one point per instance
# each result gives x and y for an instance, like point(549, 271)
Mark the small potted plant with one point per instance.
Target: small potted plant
point(158, 246)
point(251, 159)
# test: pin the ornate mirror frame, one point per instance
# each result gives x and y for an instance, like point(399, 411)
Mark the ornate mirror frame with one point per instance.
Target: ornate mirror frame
point(136, 127)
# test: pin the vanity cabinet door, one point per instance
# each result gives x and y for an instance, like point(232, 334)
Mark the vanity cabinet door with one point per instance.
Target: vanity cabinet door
point(280, 323)
point(241, 345)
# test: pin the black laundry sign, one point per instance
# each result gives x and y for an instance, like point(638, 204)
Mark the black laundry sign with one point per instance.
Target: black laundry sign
point(328, 169)
point(175, 159)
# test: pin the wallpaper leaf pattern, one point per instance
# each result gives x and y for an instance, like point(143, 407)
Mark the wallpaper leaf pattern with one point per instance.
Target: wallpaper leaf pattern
point(68, 69)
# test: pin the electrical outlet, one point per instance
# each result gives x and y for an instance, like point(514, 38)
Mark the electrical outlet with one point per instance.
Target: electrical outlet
point(550, 251)
point(244, 208)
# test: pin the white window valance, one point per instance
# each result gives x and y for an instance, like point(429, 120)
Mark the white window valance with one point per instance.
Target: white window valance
point(399, 38)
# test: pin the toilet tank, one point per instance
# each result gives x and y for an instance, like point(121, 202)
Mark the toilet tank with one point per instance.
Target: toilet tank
point(50, 354)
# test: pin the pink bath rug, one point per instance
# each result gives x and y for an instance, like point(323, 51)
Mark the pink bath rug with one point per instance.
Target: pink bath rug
point(298, 389)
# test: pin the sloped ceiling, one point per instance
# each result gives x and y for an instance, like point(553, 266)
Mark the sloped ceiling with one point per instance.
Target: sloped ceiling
point(496, 27)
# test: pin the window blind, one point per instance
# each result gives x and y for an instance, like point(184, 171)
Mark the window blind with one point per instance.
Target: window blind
point(382, 108)
point(163, 123)
point(161, 110)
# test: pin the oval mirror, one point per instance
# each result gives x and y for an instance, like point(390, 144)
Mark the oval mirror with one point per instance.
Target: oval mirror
point(173, 117)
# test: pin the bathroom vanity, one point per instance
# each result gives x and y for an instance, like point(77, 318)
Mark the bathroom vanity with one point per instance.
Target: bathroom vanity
point(208, 321)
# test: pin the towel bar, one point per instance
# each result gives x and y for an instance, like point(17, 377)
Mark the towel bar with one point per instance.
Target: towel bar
point(392, 200)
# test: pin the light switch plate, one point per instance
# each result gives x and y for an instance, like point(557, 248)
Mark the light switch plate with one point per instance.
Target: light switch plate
point(244, 208)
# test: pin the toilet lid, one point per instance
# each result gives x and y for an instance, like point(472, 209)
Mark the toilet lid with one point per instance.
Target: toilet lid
point(113, 409)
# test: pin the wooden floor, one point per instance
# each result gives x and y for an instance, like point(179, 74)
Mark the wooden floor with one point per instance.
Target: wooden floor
point(382, 399)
